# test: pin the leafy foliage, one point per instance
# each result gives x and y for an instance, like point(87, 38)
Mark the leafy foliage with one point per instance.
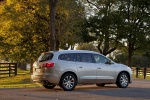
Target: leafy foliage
point(86, 46)
point(23, 31)
point(69, 16)
point(135, 20)
point(118, 21)
point(141, 61)
point(25, 27)
point(104, 26)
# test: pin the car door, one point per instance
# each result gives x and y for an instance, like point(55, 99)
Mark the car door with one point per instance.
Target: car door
point(86, 68)
point(106, 71)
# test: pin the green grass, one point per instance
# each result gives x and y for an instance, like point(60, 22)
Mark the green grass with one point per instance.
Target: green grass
point(23, 79)
point(141, 77)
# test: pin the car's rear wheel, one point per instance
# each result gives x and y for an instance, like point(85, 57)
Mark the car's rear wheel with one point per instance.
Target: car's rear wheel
point(102, 84)
point(68, 82)
point(123, 80)
point(48, 85)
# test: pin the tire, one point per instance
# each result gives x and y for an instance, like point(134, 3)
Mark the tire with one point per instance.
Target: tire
point(68, 82)
point(102, 84)
point(122, 80)
point(48, 85)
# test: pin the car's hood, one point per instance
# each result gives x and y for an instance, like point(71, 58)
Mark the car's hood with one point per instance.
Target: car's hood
point(118, 64)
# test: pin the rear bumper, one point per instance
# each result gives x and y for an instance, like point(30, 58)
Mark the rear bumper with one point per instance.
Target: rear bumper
point(40, 78)
point(37, 78)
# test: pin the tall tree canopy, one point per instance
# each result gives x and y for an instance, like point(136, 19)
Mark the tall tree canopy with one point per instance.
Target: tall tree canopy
point(136, 24)
point(24, 27)
point(105, 25)
point(117, 21)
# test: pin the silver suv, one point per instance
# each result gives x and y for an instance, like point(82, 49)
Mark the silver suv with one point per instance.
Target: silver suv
point(67, 68)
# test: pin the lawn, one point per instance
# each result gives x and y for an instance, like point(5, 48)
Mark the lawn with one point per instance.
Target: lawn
point(21, 80)
point(141, 77)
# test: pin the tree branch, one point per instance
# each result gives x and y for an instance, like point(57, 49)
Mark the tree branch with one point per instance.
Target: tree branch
point(41, 17)
point(93, 4)
point(98, 47)
point(111, 50)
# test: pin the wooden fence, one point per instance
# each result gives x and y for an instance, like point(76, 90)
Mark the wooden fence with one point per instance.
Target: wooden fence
point(141, 71)
point(8, 69)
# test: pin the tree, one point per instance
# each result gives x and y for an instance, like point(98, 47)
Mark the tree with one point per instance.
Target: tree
point(64, 23)
point(22, 30)
point(86, 46)
point(69, 17)
point(135, 21)
point(141, 61)
point(105, 25)
point(126, 20)
point(25, 30)
point(121, 57)
point(52, 25)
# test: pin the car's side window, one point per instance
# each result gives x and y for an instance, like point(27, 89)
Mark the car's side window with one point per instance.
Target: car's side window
point(78, 59)
point(100, 59)
point(85, 57)
point(67, 57)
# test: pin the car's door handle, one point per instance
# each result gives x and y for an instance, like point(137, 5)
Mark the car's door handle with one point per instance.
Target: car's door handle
point(99, 68)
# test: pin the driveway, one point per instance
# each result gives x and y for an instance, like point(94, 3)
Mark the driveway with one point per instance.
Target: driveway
point(138, 90)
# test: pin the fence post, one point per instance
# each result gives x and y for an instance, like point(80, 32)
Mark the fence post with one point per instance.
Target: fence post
point(9, 70)
point(137, 71)
point(144, 73)
point(15, 68)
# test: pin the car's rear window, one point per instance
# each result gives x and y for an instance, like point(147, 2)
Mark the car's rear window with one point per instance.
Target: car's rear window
point(45, 57)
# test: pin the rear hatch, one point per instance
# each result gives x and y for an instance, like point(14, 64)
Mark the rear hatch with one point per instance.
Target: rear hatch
point(42, 63)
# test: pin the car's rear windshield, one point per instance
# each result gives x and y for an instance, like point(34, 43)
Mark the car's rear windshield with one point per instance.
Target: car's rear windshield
point(45, 57)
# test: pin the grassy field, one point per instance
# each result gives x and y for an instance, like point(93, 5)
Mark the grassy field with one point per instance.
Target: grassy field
point(141, 77)
point(21, 80)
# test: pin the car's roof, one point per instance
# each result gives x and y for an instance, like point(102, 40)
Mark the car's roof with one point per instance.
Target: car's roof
point(75, 51)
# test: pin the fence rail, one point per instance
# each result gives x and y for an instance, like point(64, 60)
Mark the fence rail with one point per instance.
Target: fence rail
point(8, 69)
point(141, 71)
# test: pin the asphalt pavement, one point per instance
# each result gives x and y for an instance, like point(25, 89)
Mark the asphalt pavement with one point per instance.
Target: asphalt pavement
point(138, 90)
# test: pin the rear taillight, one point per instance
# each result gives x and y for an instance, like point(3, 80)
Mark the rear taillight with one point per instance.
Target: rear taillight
point(49, 64)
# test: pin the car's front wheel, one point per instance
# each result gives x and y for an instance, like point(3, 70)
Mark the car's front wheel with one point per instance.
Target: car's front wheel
point(48, 85)
point(68, 82)
point(123, 80)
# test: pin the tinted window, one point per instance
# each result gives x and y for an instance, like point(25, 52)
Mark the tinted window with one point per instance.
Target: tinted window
point(100, 59)
point(68, 57)
point(85, 57)
point(45, 57)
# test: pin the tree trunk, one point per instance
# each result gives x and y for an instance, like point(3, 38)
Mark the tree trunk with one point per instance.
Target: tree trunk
point(22, 65)
point(57, 44)
point(130, 52)
point(31, 66)
point(52, 26)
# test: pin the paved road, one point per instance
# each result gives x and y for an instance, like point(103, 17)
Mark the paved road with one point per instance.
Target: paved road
point(138, 90)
